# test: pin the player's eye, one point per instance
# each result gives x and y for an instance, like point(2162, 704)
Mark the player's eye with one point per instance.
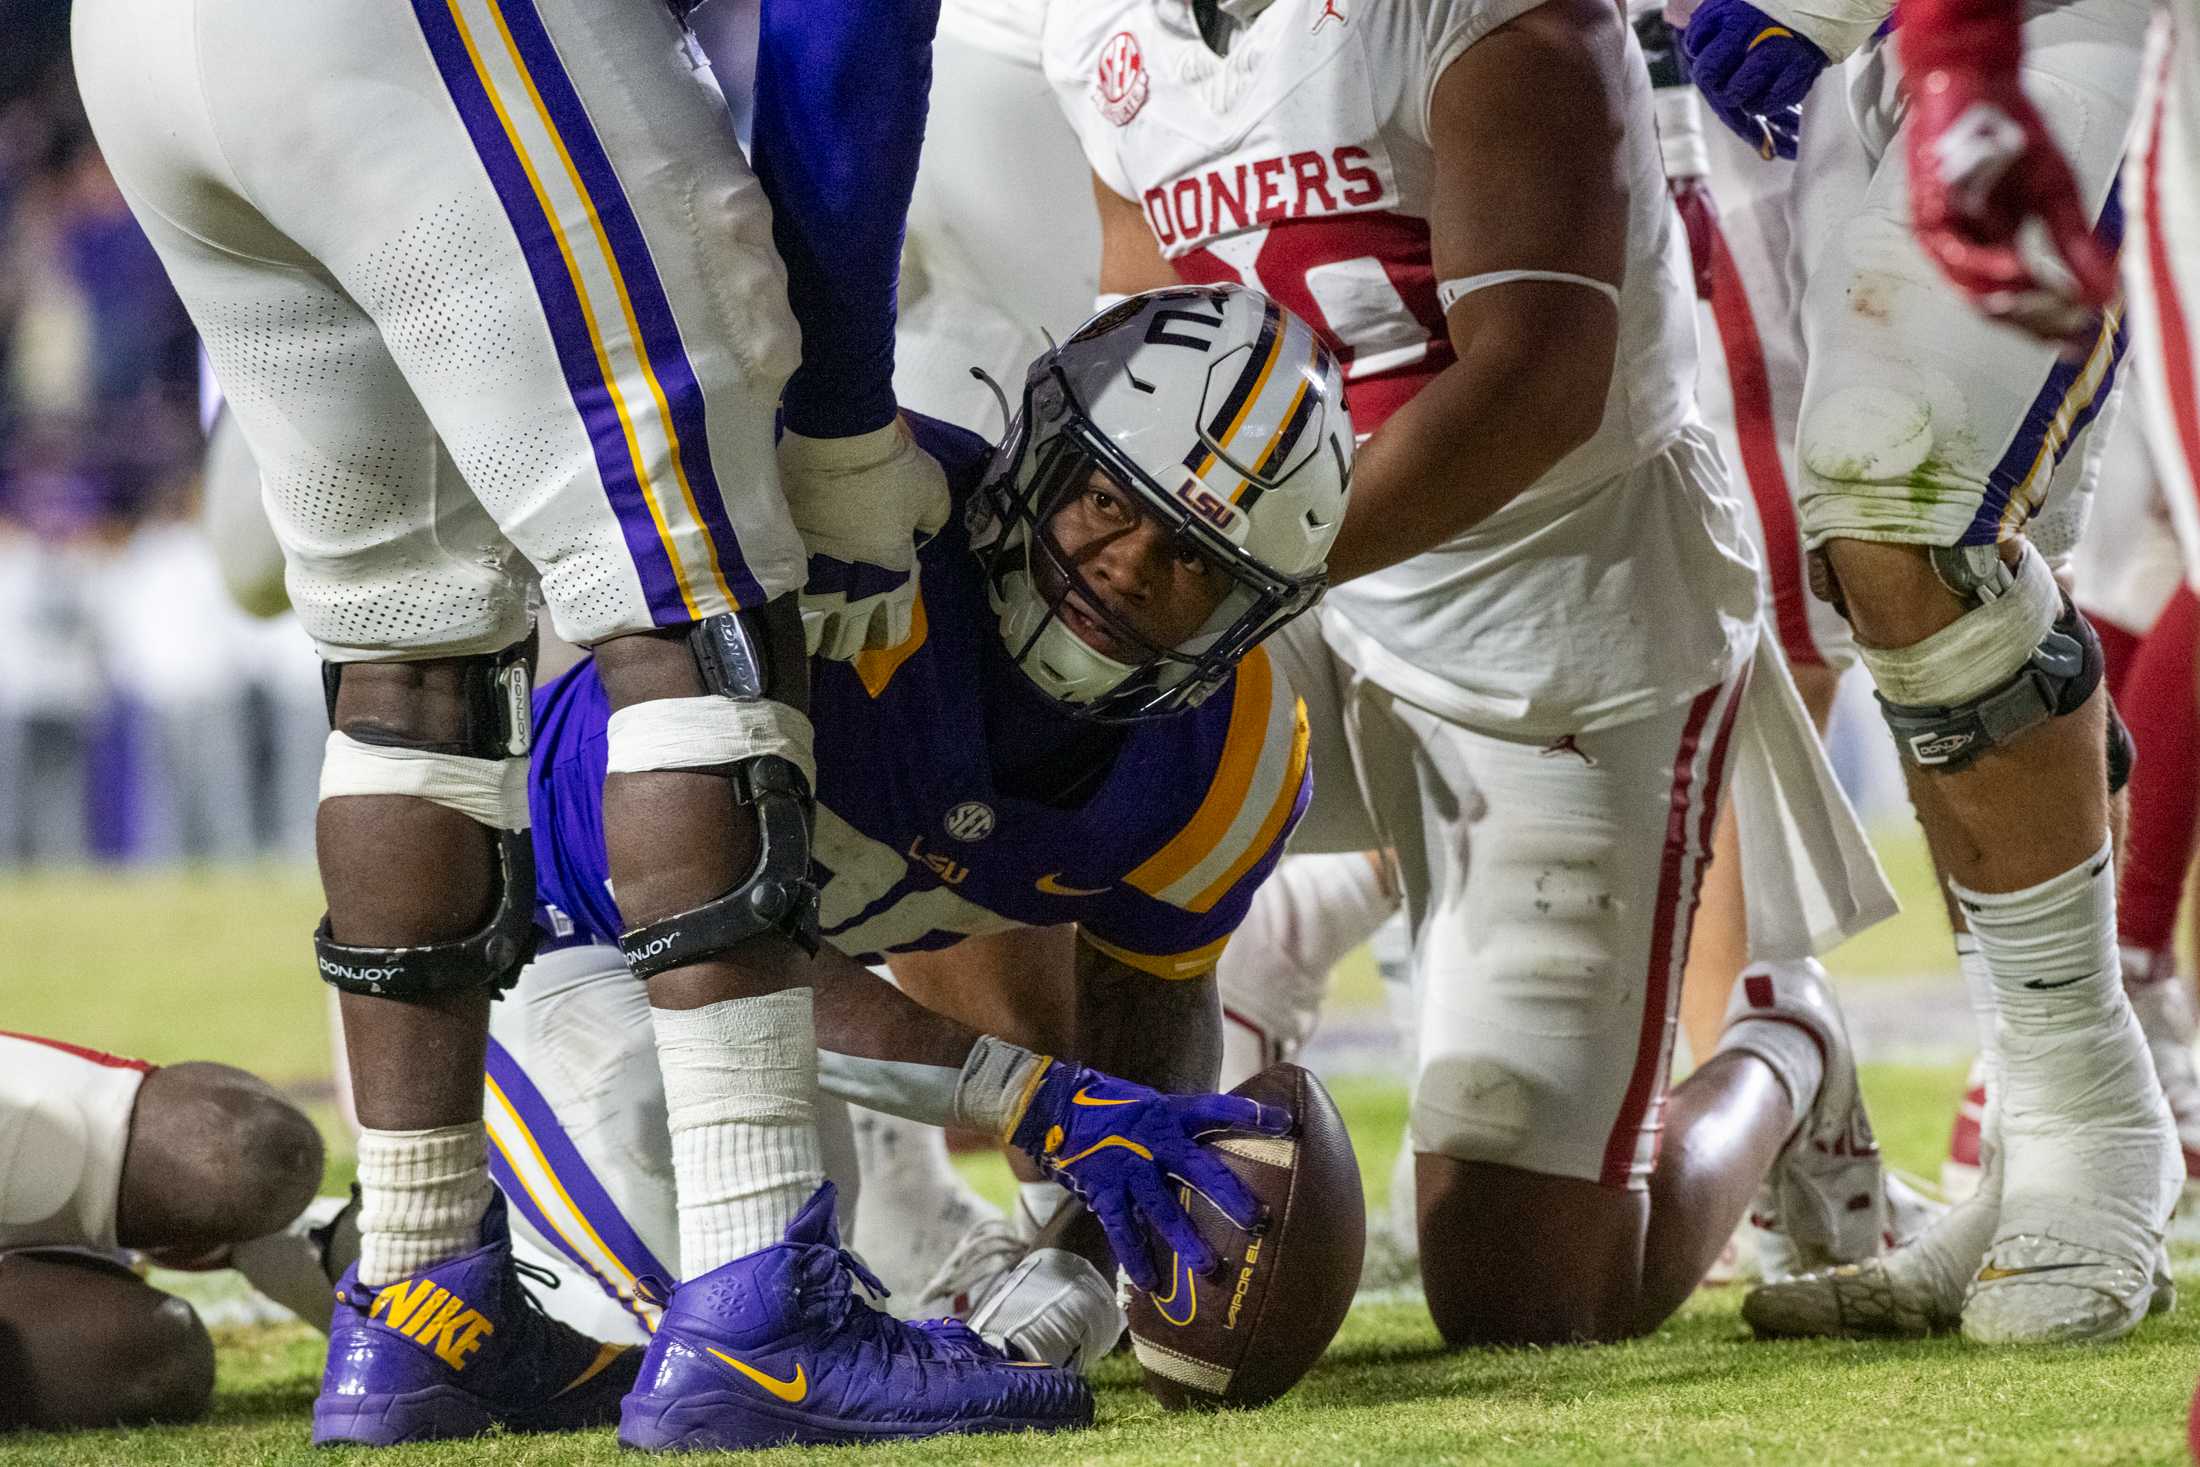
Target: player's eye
point(1108, 504)
point(1193, 561)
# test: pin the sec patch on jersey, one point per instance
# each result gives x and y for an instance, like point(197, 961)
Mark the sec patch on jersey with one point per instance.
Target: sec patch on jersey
point(1245, 1334)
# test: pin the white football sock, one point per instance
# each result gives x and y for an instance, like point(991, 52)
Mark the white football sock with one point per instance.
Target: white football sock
point(1275, 973)
point(2072, 1058)
point(1754, 1026)
point(1978, 987)
point(740, 1100)
point(421, 1197)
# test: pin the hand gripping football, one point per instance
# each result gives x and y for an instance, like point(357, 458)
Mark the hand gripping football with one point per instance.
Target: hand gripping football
point(1245, 1334)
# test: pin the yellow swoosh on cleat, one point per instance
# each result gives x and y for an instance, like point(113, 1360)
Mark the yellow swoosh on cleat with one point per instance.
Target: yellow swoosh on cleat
point(595, 1368)
point(1991, 1274)
point(1052, 886)
point(787, 1390)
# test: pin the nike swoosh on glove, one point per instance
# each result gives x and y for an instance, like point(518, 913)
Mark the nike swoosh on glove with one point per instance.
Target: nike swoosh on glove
point(1753, 72)
point(862, 506)
point(1120, 1146)
point(1984, 172)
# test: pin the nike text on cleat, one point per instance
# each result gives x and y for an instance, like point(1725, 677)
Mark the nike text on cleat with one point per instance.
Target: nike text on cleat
point(777, 1348)
point(458, 1349)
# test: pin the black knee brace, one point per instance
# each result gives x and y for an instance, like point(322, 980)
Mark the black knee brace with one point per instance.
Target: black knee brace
point(498, 725)
point(2062, 673)
point(748, 656)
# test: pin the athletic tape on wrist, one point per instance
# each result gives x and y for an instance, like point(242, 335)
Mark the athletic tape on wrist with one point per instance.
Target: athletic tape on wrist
point(492, 792)
point(997, 1082)
point(697, 733)
point(1680, 131)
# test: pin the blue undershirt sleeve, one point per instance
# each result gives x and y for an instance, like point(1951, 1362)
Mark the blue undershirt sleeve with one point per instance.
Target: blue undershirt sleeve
point(842, 88)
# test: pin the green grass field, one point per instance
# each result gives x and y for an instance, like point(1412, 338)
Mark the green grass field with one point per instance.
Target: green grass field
point(213, 966)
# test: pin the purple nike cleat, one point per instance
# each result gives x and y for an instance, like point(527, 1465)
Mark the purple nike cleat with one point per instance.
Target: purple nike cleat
point(776, 1347)
point(457, 1349)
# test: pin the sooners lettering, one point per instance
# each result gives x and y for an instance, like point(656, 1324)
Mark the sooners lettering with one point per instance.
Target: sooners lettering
point(1244, 195)
point(1364, 280)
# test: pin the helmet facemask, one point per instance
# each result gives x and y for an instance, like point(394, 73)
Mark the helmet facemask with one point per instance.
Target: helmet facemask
point(1042, 595)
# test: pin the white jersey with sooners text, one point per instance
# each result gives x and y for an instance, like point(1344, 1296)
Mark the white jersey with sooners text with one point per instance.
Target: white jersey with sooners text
point(1302, 164)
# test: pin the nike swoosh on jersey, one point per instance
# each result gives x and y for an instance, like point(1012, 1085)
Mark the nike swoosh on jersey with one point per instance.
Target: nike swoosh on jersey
point(790, 1390)
point(1082, 1098)
point(1053, 887)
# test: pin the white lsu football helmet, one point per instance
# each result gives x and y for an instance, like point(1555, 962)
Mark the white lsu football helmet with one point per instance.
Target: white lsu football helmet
point(1223, 415)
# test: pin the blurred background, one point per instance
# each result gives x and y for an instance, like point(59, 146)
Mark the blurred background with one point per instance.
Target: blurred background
point(143, 718)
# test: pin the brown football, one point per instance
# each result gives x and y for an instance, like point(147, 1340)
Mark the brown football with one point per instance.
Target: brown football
point(1244, 1335)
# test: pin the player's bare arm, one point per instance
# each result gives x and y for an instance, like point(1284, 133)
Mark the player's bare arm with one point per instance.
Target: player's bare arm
point(1516, 189)
point(1130, 261)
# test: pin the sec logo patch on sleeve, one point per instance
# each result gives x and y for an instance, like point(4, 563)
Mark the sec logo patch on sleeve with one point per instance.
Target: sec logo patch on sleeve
point(1120, 84)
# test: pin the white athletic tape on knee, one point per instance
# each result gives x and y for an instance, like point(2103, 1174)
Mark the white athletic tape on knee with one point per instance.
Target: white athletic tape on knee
point(697, 733)
point(1450, 292)
point(1979, 651)
point(491, 791)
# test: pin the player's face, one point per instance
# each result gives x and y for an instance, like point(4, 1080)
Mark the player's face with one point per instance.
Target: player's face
point(1147, 579)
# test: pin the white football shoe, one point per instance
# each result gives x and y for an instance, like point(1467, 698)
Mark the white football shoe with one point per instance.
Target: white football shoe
point(2163, 1000)
point(972, 1270)
point(1915, 1290)
point(298, 1267)
point(1826, 1196)
point(1053, 1307)
point(2089, 1175)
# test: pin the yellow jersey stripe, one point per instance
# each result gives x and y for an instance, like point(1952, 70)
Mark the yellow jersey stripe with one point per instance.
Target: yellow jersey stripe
point(1175, 966)
point(580, 291)
point(876, 668)
point(1271, 826)
point(1241, 750)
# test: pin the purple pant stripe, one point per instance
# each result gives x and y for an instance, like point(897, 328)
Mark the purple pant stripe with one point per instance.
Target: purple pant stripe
point(573, 1173)
point(644, 287)
point(561, 307)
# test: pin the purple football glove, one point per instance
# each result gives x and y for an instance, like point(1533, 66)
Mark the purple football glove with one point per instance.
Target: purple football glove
point(1753, 72)
point(1123, 1148)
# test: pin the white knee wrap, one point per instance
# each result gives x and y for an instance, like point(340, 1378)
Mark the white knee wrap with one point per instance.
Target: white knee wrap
point(697, 733)
point(491, 791)
point(1980, 651)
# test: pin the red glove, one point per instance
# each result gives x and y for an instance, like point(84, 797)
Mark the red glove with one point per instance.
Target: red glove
point(1983, 166)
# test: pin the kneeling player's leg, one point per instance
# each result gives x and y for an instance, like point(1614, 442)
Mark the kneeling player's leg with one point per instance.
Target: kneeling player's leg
point(1552, 926)
point(84, 1342)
